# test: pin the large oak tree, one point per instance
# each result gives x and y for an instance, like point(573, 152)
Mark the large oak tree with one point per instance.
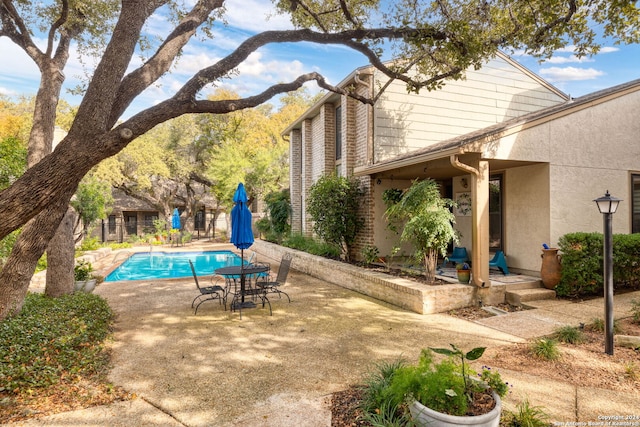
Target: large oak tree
point(439, 39)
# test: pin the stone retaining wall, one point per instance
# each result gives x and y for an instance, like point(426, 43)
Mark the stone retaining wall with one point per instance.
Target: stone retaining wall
point(407, 294)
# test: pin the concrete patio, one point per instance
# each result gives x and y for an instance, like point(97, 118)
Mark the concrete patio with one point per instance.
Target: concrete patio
point(280, 370)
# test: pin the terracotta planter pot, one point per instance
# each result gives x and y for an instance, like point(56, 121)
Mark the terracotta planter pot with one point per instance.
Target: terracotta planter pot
point(425, 417)
point(464, 276)
point(551, 270)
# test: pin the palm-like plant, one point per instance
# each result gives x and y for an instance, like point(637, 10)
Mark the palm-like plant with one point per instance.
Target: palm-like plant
point(426, 221)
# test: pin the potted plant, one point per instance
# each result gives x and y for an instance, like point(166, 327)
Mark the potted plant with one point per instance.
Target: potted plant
point(82, 274)
point(436, 394)
point(453, 396)
point(464, 272)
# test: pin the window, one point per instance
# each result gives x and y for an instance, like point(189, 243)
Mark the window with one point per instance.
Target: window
point(635, 203)
point(112, 224)
point(495, 213)
point(338, 123)
point(199, 220)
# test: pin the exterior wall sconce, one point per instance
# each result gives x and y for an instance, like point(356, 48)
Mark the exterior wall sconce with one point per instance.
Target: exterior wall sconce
point(379, 181)
point(464, 183)
point(607, 205)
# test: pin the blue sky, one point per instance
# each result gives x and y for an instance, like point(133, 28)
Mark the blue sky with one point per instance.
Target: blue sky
point(275, 63)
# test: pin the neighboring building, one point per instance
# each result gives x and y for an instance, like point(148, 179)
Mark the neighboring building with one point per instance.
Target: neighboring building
point(522, 159)
point(134, 217)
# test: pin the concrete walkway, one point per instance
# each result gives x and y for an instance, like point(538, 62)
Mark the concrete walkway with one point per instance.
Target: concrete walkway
point(214, 369)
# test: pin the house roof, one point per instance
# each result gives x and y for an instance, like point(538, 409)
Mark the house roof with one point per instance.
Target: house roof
point(473, 141)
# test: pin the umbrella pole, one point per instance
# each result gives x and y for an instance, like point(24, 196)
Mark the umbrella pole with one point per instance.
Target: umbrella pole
point(242, 283)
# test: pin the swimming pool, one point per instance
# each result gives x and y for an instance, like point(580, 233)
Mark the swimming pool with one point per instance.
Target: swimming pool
point(171, 265)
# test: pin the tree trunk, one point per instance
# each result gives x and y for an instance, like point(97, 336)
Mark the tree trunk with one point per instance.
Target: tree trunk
point(61, 255)
point(31, 244)
point(430, 263)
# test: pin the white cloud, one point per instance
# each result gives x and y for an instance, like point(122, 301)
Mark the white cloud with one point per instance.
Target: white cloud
point(563, 74)
point(567, 59)
point(255, 16)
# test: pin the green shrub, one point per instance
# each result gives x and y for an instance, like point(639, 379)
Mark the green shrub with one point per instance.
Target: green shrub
point(374, 399)
point(569, 334)
point(370, 254)
point(310, 245)
point(597, 325)
point(582, 263)
point(635, 310)
point(51, 338)
point(90, 244)
point(333, 205)
point(124, 245)
point(546, 348)
point(525, 416)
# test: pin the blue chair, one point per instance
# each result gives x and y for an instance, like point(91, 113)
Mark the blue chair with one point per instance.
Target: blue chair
point(499, 261)
point(458, 256)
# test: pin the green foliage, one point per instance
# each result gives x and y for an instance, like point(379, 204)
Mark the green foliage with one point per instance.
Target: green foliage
point(92, 201)
point(391, 196)
point(569, 334)
point(472, 31)
point(51, 338)
point(278, 211)
point(635, 310)
point(82, 271)
point(124, 245)
point(598, 325)
point(545, 348)
point(631, 371)
point(375, 396)
point(444, 386)
point(388, 416)
point(160, 226)
point(525, 415)
point(582, 263)
point(333, 204)
point(6, 245)
point(426, 221)
point(310, 245)
point(13, 160)
point(626, 264)
point(370, 254)
point(90, 244)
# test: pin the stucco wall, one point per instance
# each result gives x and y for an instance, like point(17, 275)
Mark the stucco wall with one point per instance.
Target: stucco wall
point(589, 151)
point(526, 216)
point(386, 239)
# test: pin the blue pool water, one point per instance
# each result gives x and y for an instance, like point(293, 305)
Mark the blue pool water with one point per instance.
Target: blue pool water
point(171, 265)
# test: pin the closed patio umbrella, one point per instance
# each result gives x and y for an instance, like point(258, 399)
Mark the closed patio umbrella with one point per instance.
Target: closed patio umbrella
point(241, 231)
point(175, 219)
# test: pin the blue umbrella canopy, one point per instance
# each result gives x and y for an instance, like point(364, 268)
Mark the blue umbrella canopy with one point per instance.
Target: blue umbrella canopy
point(175, 219)
point(241, 232)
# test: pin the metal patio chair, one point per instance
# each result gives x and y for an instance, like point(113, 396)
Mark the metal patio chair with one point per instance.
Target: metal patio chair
point(207, 292)
point(272, 285)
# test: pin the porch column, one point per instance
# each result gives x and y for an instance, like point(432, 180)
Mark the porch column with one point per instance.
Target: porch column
point(480, 223)
point(479, 170)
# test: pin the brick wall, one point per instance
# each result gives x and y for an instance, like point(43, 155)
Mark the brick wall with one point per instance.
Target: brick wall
point(295, 181)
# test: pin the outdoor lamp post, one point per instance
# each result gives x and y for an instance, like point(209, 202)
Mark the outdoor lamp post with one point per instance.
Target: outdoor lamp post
point(607, 205)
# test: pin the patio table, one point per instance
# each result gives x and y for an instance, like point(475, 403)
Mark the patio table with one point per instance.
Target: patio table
point(236, 272)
